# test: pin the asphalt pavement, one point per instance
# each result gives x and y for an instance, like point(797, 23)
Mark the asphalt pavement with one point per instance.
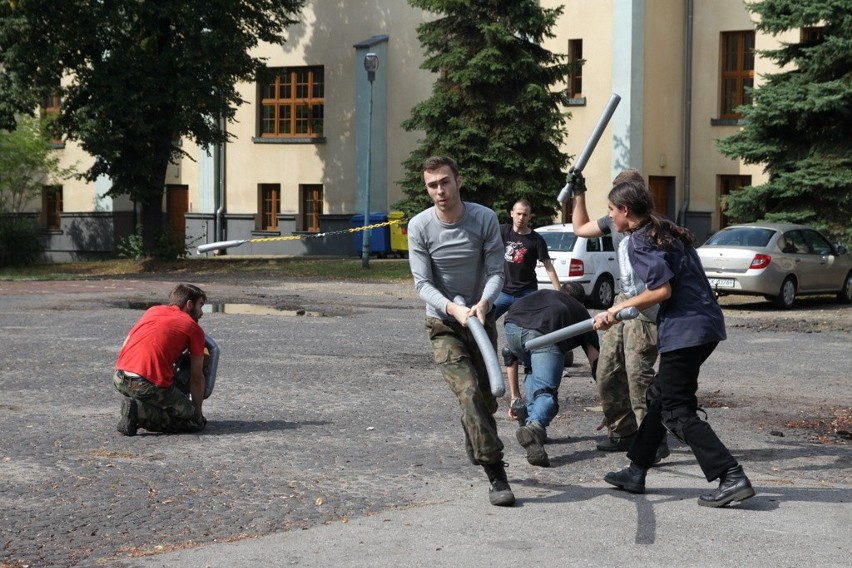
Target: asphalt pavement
point(332, 441)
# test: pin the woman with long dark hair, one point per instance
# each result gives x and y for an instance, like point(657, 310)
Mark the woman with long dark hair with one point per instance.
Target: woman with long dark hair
point(690, 326)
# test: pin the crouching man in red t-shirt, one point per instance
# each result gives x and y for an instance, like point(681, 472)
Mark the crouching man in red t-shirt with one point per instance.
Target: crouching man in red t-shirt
point(144, 372)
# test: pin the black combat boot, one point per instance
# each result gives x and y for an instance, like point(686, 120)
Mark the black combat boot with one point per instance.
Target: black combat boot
point(499, 493)
point(127, 425)
point(630, 479)
point(733, 486)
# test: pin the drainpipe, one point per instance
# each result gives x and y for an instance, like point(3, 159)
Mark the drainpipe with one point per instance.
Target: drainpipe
point(219, 190)
point(687, 112)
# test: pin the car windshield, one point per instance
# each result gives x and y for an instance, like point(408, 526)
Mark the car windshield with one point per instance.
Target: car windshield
point(741, 237)
point(559, 241)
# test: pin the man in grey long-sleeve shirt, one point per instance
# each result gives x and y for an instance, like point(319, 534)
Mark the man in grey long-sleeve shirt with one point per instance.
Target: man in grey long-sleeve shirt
point(455, 248)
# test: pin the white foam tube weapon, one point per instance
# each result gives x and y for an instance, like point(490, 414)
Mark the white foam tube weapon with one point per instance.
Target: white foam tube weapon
point(489, 354)
point(219, 245)
point(578, 166)
point(213, 365)
point(575, 330)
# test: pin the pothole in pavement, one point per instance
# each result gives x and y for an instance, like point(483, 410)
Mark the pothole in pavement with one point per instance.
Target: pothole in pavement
point(231, 308)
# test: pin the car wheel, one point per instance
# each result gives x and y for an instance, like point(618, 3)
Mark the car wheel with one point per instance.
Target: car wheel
point(786, 295)
point(845, 294)
point(603, 293)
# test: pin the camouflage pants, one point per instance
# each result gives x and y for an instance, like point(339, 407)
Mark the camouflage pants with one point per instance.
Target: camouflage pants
point(625, 369)
point(457, 356)
point(159, 409)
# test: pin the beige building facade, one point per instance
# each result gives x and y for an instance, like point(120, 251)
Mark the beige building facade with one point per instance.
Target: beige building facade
point(296, 166)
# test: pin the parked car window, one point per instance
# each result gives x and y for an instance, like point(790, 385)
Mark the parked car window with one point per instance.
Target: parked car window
point(559, 241)
point(741, 237)
point(818, 243)
point(593, 245)
point(795, 243)
point(607, 243)
point(757, 238)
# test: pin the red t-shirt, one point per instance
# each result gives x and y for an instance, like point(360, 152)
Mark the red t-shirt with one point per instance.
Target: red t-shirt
point(156, 342)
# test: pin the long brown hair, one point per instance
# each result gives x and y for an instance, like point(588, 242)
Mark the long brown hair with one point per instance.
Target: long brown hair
point(629, 191)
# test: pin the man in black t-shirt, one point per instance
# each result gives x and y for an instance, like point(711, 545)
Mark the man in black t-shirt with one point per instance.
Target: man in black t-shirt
point(523, 249)
point(537, 314)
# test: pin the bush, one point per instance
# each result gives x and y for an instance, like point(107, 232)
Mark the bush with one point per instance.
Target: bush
point(20, 244)
point(168, 247)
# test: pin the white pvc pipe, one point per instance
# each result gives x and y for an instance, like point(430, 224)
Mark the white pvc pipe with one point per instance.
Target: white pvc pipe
point(574, 330)
point(214, 350)
point(218, 245)
point(580, 163)
point(489, 353)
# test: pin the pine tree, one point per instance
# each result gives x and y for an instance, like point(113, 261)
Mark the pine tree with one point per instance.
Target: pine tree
point(493, 108)
point(800, 124)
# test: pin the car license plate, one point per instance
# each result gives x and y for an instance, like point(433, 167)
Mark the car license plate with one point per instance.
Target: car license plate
point(721, 282)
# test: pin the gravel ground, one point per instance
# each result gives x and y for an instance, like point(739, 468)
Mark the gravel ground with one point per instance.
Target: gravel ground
point(317, 420)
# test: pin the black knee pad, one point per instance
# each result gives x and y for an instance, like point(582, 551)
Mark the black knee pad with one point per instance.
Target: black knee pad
point(551, 392)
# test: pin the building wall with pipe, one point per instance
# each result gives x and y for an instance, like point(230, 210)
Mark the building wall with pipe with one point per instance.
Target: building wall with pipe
point(633, 47)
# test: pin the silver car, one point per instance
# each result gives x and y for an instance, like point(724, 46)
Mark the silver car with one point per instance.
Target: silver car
point(778, 261)
point(591, 262)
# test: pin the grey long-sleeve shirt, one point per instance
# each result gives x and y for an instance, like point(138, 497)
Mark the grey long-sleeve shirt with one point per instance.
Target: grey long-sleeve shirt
point(465, 258)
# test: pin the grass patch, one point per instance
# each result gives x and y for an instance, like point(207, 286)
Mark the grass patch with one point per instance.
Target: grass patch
point(324, 268)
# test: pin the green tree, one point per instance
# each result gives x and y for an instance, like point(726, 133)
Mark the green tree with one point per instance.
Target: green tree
point(493, 108)
point(28, 163)
point(800, 124)
point(133, 77)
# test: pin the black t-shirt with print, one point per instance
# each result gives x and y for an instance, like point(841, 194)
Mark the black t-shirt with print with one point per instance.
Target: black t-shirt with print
point(521, 254)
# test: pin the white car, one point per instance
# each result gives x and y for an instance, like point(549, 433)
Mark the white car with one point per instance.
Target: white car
point(591, 262)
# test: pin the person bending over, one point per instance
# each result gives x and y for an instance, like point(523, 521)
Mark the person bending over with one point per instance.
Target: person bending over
point(144, 371)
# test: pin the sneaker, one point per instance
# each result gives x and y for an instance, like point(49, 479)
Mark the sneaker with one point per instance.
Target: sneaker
point(613, 444)
point(127, 423)
point(499, 492)
point(532, 437)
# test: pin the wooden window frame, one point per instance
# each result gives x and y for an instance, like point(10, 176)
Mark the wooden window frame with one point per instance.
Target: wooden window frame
point(736, 72)
point(292, 103)
point(269, 195)
point(51, 206)
point(310, 205)
point(50, 107)
point(812, 34)
point(575, 78)
point(728, 184)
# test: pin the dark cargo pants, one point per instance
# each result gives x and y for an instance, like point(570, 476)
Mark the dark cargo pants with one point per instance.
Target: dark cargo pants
point(625, 369)
point(159, 409)
point(455, 352)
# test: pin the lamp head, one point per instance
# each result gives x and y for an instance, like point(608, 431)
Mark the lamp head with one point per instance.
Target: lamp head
point(371, 63)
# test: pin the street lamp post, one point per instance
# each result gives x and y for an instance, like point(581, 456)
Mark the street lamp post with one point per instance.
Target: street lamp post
point(371, 63)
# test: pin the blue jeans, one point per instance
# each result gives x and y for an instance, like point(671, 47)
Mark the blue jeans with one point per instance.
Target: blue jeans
point(542, 384)
point(505, 301)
